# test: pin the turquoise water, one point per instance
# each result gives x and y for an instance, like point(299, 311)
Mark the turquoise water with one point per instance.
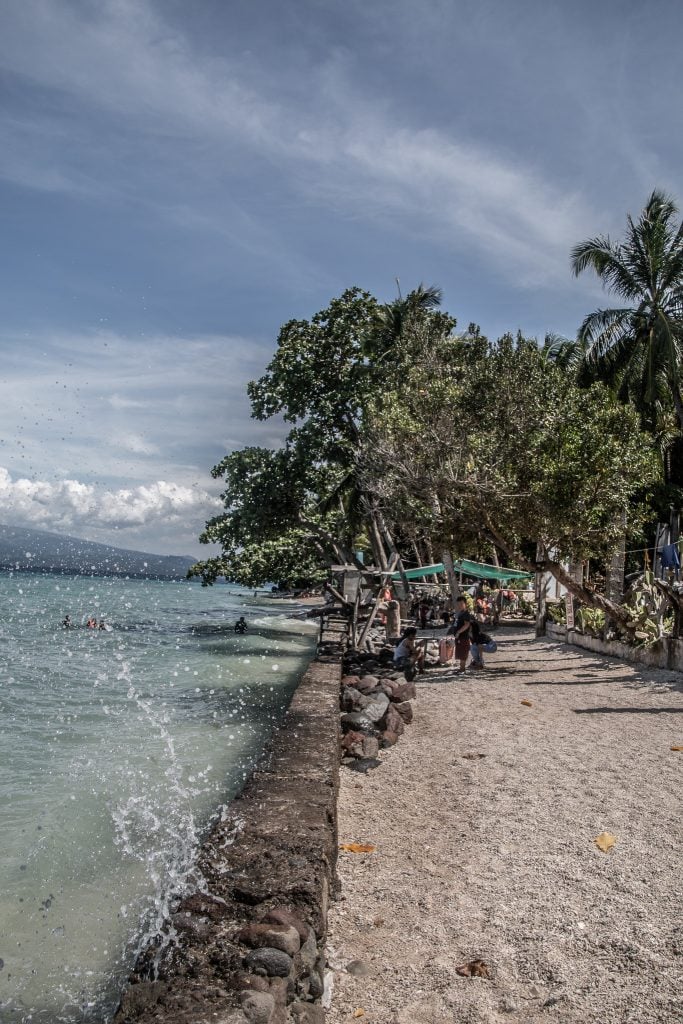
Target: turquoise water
point(117, 749)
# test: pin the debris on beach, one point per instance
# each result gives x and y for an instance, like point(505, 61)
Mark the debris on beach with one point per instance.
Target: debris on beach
point(526, 703)
point(677, 748)
point(473, 757)
point(357, 847)
point(474, 969)
point(605, 841)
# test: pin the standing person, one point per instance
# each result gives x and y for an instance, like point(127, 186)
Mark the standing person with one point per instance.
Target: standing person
point(480, 642)
point(461, 631)
point(408, 657)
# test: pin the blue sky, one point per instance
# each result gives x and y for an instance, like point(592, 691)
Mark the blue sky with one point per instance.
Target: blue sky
point(179, 179)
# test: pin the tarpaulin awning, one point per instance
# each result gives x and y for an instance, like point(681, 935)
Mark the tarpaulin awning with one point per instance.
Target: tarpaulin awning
point(479, 570)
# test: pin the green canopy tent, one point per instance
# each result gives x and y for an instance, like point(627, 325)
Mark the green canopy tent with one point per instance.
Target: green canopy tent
point(478, 570)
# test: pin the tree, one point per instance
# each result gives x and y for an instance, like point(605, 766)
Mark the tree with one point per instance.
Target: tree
point(324, 376)
point(637, 348)
point(499, 444)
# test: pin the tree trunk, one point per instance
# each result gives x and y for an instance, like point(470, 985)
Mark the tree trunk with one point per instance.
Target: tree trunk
point(447, 560)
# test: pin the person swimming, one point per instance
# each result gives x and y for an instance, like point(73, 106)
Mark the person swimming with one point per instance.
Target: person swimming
point(67, 623)
point(241, 625)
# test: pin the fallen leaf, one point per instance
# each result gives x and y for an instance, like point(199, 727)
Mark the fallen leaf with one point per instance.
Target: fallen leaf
point(474, 969)
point(677, 748)
point(605, 841)
point(357, 848)
point(473, 757)
point(527, 703)
point(359, 1012)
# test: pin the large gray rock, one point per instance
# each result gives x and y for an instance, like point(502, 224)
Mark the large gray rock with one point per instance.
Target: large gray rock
point(377, 707)
point(273, 962)
point(356, 720)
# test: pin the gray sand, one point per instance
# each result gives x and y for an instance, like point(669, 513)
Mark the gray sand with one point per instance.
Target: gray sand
point(494, 857)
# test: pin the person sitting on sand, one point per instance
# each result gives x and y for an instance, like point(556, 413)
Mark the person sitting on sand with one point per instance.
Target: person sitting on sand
point(408, 656)
point(241, 625)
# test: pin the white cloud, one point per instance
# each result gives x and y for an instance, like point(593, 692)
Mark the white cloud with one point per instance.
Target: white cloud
point(70, 505)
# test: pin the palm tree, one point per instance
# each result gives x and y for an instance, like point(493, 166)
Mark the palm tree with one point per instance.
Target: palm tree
point(637, 349)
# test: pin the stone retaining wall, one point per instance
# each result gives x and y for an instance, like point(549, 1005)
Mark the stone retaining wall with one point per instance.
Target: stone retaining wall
point(665, 653)
point(247, 946)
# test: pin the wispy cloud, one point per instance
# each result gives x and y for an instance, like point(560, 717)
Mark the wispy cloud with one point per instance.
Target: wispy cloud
point(334, 147)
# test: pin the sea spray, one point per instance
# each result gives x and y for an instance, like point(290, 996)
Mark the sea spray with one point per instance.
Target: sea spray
point(119, 748)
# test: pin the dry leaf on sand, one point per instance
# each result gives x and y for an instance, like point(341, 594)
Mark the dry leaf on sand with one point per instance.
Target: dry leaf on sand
point(677, 748)
point(474, 969)
point(605, 841)
point(357, 847)
point(526, 703)
point(359, 1012)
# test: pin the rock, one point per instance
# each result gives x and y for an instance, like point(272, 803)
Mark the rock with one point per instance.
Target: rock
point(242, 982)
point(364, 764)
point(387, 739)
point(258, 1007)
point(352, 739)
point(404, 691)
point(370, 746)
point(377, 707)
point(350, 680)
point(308, 954)
point(367, 681)
point(359, 969)
point(137, 998)
point(307, 1013)
point(392, 721)
point(405, 710)
point(276, 936)
point(357, 721)
point(352, 699)
point(268, 960)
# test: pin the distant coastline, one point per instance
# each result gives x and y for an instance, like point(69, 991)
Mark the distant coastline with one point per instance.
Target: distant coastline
point(39, 551)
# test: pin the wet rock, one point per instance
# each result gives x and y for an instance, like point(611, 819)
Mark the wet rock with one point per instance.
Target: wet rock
point(268, 960)
point(276, 936)
point(139, 998)
point(281, 915)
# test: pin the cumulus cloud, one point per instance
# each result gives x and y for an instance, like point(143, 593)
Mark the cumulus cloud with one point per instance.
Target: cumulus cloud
point(69, 505)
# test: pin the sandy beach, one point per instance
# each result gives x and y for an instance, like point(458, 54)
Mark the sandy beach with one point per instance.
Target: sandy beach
point(484, 819)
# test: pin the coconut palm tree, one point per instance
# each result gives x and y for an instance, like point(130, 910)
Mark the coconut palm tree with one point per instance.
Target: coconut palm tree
point(638, 348)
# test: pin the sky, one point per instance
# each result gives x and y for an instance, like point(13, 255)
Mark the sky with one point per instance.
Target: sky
point(177, 180)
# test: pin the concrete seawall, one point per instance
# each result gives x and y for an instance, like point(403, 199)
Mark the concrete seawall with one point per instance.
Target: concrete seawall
point(265, 876)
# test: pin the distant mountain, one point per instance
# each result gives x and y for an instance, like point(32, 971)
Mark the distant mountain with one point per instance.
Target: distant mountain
point(40, 551)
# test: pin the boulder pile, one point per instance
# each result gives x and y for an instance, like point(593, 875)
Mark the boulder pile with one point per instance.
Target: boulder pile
point(375, 700)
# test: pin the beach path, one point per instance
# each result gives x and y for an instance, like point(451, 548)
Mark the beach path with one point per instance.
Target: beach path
point(484, 820)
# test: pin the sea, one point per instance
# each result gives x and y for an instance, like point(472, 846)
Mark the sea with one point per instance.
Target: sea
point(118, 749)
